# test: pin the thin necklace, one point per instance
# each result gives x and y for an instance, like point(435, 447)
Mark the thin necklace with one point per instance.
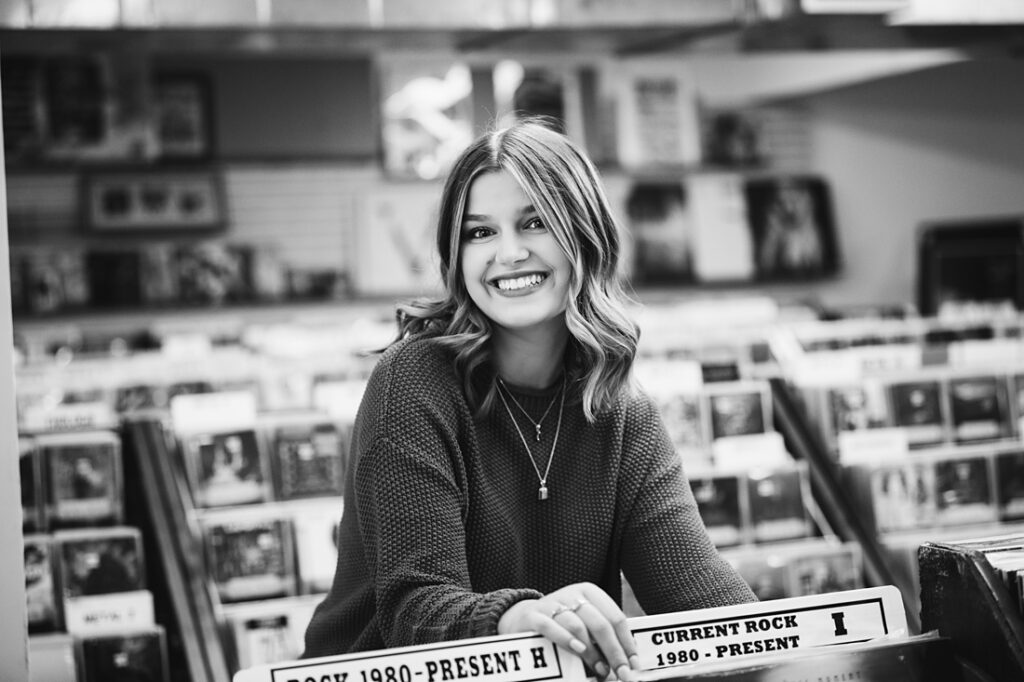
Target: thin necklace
point(536, 424)
point(542, 491)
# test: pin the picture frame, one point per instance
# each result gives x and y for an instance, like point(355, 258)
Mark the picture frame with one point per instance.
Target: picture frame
point(147, 201)
point(182, 116)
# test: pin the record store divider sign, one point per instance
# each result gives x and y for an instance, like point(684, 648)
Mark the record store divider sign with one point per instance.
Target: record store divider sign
point(716, 635)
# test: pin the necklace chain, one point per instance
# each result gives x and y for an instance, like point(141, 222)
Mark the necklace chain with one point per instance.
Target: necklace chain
point(536, 424)
point(542, 491)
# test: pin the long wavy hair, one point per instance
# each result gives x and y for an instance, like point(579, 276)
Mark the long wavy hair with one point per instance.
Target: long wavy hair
point(566, 190)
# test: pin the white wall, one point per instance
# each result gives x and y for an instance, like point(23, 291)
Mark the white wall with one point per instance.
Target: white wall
point(945, 142)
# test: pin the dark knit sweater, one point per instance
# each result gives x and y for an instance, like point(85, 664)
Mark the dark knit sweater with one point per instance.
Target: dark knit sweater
point(442, 530)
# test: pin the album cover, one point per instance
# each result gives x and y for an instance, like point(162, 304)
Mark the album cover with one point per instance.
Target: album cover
point(854, 408)
point(661, 225)
point(917, 406)
point(225, 468)
point(251, 558)
point(738, 412)
point(777, 509)
point(40, 592)
point(316, 544)
point(84, 477)
point(271, 631)
point(683, 415)
point(308, 458)
point(134, 397)
point(978, 408)
point(903, 495)
point(1017, 402)
point(30, 475)
point(832, 570)
point(134, 656)
point(188, 388)
point(792, 226)
point(1010, 484)
point(963, 491)
point(100, 561)
point(718, 500)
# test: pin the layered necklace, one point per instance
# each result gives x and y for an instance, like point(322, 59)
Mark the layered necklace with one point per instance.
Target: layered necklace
point(542, 491)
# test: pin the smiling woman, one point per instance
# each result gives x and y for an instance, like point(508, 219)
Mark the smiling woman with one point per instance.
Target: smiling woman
point(506, 471)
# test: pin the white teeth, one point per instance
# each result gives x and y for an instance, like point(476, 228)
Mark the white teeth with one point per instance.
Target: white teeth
point(519, 282)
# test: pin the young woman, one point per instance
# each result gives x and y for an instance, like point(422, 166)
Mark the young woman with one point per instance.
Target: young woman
point(505, 471)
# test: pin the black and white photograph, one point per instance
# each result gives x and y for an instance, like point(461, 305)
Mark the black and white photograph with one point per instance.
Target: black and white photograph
point(351, 327)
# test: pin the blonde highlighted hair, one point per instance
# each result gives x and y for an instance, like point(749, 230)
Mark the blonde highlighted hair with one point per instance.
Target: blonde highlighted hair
point(566, 190)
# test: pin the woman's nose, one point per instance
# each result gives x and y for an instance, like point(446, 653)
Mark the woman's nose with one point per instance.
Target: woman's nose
point(511, 248)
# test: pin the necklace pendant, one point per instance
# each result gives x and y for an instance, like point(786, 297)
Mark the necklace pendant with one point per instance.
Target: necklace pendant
point(537, 426)
point(542, 492)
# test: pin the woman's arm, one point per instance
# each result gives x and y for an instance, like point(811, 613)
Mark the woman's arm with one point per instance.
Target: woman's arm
point(667, 556)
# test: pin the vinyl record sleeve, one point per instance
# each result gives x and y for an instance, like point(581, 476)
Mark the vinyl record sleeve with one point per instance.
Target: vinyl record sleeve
point(83, 473)
point(40, 589)
point(309, 459)
point(719, 504)
point(30, 473)
point(977, 408)
point(832, 569)
point(1010, 484)
point(226, 468)
point(683, 415)
point(738, 411)
point(963, 491)
point(777, 509)
point(316, 544)
point(100, 561)
point(903, 495)
point(251, 558)
point(136, 656)
point(917, 406)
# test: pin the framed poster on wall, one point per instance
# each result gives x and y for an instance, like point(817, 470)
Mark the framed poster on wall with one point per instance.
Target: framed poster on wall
point(142, 201)
point(182, 116)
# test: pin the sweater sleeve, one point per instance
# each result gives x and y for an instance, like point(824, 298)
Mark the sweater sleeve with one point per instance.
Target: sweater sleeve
point(410, 496)
point(667, 556)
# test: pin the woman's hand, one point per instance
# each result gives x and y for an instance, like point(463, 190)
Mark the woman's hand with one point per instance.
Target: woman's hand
point(584, 619)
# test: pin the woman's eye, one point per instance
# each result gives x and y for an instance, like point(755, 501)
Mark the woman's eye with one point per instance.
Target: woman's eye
point(534, 224)
point(475, 233)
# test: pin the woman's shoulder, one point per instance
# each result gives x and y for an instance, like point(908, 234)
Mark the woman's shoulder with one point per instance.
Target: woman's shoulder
point(425, 361)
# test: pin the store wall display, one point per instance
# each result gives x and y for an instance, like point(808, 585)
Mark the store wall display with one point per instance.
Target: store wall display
point(40, 585)
point(250, 556)
point(148, 200)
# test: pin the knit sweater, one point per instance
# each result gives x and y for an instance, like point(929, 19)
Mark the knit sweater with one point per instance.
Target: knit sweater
point(442, 529)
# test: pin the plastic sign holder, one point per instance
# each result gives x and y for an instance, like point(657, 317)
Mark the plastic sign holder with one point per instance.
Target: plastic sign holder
point(521, 657)
point(712, 636)
point(743, 630)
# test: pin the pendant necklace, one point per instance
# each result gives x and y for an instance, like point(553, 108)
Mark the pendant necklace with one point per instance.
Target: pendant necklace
point(536, 424)
point(542, 491)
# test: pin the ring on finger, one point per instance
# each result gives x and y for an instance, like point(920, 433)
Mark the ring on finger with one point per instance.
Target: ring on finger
point(560, 609)
point(580, 603)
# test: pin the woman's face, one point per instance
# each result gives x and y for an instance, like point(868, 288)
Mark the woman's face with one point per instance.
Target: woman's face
point(513, 268)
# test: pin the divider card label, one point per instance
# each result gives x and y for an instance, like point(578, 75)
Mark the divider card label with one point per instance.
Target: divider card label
point(504, 658)
point(730, 632)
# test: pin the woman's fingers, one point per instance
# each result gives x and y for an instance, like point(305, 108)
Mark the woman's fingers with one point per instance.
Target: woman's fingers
point(606, 632)
point(581, 640)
